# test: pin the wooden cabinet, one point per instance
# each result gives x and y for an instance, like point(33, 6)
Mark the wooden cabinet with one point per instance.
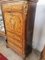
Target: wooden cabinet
point(19, 22)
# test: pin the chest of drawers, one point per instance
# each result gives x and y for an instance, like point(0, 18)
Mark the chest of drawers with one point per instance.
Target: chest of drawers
point(19, 22)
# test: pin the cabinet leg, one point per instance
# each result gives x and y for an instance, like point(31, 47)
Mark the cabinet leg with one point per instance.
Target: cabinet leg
point(6, 44)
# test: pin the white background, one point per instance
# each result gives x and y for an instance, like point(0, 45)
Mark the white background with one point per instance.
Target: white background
point(39, 27)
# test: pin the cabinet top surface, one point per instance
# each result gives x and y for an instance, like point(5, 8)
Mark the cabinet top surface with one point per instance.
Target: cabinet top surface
point(5, 1)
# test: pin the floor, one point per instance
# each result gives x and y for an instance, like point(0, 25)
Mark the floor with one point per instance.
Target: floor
point(11, 55)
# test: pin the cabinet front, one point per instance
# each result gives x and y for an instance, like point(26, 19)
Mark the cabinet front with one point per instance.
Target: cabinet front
point(14, 18)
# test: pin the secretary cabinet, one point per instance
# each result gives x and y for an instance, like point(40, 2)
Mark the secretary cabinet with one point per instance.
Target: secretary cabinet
point(19, 19)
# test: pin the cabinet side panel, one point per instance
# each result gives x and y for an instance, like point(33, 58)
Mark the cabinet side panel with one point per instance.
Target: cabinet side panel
point(30, 24)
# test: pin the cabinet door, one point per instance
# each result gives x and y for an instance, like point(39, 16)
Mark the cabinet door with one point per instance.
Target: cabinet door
point(15, 21)
point(9, 23)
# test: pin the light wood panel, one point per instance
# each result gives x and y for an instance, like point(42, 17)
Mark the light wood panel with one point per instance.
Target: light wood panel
point(14, 18)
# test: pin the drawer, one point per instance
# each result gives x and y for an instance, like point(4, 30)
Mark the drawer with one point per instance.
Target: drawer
point(15, 48)
point(15, 36)
point(15, 42)
point(16, 6)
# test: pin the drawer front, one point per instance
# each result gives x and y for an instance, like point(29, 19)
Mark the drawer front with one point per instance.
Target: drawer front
point(15, 6)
